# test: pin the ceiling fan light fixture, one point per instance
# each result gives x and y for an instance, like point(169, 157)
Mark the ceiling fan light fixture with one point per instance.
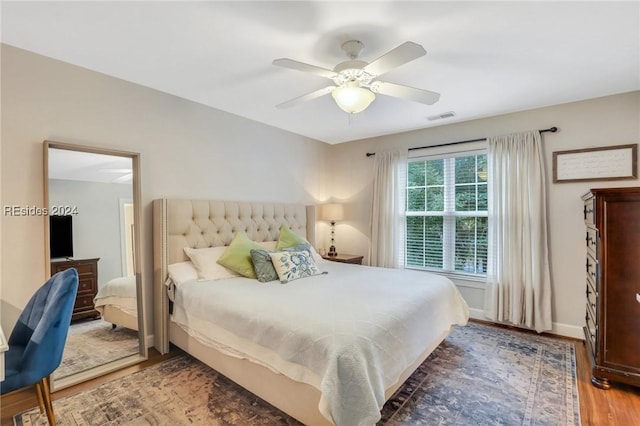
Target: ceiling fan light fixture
point(352, 99)
point(354, 81)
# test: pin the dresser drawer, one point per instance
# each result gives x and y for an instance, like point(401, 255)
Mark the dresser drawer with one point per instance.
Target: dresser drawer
point(87, 285)
point(592, 241)
point(83, 303)
point(592, 269)
point(592, 332)
point(589, 211)
point(592, 300)
point(84, 268)
point(89, 268)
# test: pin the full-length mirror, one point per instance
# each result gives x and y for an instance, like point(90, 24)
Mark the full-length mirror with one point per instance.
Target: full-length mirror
point(93, 199)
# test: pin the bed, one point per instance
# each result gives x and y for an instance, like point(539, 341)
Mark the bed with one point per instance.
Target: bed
point(117, 302)
point(326, 349)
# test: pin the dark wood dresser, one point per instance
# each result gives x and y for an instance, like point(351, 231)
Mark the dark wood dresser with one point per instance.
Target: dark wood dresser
point(87, 285)
point(612, 330)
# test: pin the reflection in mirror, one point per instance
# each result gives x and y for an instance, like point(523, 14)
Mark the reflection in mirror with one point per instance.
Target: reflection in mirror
point(93, 200)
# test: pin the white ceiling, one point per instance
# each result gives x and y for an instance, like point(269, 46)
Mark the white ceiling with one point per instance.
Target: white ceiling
point(89, 167)
point(485, 58)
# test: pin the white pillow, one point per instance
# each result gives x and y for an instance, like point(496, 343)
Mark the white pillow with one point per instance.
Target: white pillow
point(182, 272)
point(206, 262)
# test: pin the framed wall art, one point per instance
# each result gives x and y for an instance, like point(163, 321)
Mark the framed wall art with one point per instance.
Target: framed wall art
point(589, 164)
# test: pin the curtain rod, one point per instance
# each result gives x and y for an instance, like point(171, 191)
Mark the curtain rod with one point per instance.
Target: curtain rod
point(550, 129)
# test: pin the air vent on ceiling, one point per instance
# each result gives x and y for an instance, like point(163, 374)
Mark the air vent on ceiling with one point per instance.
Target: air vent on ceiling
point(447, 114)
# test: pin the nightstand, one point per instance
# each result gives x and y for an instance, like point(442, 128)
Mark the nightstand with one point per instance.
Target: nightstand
point(345, 258)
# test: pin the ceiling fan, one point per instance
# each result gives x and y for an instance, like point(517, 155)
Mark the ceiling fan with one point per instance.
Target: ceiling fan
point(355, 83)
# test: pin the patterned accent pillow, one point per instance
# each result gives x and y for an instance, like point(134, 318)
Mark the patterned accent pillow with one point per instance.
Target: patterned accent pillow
point(263, 266)
point(301, 247)
point(292, 265)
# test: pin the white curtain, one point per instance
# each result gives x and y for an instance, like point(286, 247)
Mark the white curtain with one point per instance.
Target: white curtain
point(387, 213)
point(518, 278)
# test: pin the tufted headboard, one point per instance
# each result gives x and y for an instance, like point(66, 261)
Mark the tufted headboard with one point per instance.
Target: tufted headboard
point(179, 223)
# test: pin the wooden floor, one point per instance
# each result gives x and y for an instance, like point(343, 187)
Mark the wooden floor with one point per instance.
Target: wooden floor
point(618, 406)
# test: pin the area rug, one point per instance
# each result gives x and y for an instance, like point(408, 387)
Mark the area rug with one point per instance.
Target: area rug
point(94, 343)
point(480, 375)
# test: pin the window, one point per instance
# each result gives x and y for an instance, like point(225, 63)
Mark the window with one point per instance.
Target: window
point(446, 214)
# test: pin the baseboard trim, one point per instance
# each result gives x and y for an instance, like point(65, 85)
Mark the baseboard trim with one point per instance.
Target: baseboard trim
point(477, 314)
point(564, 330)
point(567, 330)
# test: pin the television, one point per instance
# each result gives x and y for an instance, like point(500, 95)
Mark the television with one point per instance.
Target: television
point(60, 236)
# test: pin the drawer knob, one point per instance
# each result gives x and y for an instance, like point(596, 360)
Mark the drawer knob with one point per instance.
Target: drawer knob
point(637, 297)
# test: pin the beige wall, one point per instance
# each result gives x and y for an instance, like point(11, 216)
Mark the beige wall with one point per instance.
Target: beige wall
point(187, 150)
point(612, 120)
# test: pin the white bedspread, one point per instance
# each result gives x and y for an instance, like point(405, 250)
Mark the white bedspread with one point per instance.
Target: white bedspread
point(350, 333)
point(120, 292)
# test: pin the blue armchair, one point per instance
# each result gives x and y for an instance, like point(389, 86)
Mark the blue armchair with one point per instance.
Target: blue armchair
point(37, 340)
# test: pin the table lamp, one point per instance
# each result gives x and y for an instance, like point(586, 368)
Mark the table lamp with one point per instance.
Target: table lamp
point(332, 212)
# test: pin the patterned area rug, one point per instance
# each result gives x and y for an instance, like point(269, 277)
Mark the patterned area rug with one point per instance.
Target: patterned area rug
point(480, 375)
point(93, 343)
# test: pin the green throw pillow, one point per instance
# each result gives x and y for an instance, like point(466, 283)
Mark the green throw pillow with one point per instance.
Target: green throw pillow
point(288, 238)
point(237, 256)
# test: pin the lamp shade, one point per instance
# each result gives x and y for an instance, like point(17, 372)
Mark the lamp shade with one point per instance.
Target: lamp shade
point(353, 99)
point(332, 212)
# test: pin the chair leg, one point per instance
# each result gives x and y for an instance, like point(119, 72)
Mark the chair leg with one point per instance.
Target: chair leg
point(48, 405)
point(39, 391)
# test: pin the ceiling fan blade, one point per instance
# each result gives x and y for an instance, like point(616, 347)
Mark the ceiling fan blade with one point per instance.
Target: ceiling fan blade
point(122, 179)
point(115, 170)
point(406, 52)
point(405, 92)
point(307, 97)
point(301, 66)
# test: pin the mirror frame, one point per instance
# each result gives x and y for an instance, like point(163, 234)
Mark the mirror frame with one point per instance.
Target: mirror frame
point(138, 260)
